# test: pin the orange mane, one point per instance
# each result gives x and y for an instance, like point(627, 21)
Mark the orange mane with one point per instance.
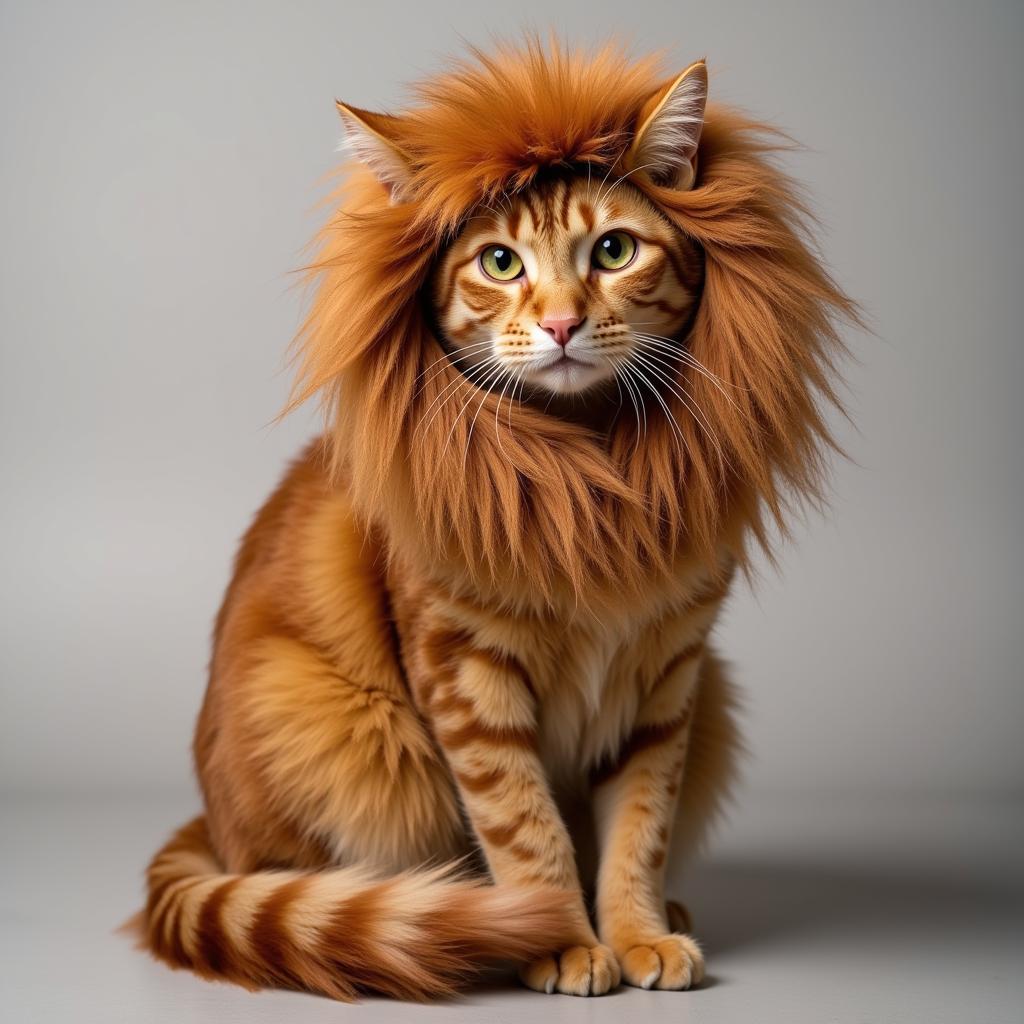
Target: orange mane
point(529, 503)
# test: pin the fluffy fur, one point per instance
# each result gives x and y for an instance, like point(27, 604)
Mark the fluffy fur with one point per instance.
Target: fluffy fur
point(613, 512)
point(438, 645)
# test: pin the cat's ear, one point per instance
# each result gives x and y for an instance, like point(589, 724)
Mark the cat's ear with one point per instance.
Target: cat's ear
point(669, 127)
point(373, 139)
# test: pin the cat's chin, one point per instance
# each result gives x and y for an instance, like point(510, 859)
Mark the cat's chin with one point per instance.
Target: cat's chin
point(570, 377)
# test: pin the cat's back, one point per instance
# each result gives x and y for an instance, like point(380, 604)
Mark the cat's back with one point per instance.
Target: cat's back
point(290, 556)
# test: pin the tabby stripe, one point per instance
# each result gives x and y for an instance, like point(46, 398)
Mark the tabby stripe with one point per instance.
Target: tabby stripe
point(502, 662)
point(157, 891)
point(645, 281)
point(482, 309)
point(680, 271)
point(268, 933)
point(447, 703)
point(586, 211)
point(660, 304)
point(522, 853)
point(215, 948)
point(482, 782)
point(169, 896)
point(479, 293)
point(448, 289)
point(502, 835)
point(474, 731)
point(458, 333)
point(156, 918)
point(170, 928)
point(564, 212)
point(685, 655)
point(612, 208)
point(441, 649)
point(547, 208)
point(644, 737)
point(528, 203)
point(351, 927)
point(444, 649)
point(513, 222)
point(687, 274)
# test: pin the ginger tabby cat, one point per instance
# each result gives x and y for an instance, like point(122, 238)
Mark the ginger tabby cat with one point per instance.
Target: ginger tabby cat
point(572, 346)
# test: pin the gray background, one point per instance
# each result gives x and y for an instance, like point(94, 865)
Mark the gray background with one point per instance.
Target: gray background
point(160, 178)
point(160, 168)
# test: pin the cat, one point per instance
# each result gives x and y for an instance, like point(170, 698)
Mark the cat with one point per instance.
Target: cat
point(574, 348)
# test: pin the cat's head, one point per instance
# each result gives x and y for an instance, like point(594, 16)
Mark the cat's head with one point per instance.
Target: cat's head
point(577, 280)
point(536, 221)
point(572, 284)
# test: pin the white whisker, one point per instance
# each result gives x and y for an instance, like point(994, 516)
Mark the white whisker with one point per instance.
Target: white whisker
point(518, 387)
point(485, 389)
point(662, 354)
point(668, 412)
point(694, 409)
point(684, 353)
point(460, 381)
point(448, 390)
point(450, 357)
point(622, 365)
point(597, 201)
point(497, 410)
point(619, 181)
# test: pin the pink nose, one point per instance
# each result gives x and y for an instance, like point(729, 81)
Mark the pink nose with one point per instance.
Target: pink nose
point(561, 328)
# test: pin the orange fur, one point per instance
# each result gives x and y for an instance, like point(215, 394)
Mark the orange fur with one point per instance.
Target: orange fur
point(440, 638)
point(614, 511)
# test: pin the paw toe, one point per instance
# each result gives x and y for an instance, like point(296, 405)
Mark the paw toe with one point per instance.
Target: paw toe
point(541, 975)
point(674, 962)
point(578, 971)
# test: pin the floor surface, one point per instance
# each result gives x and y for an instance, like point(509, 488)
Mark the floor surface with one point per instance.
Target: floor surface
point(810, 910)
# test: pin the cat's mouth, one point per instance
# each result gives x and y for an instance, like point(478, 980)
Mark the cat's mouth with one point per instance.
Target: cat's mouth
point(565, 358)
point(566, 372)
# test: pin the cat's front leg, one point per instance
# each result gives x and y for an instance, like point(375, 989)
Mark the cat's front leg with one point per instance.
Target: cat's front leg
point(634, 802)
point(484, 716)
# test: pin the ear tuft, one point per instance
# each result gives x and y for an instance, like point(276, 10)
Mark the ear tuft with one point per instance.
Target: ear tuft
point(372, 138)
point(670, 124)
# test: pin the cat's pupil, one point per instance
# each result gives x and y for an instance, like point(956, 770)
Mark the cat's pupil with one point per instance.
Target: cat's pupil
point(502, 259)
point(613, 246)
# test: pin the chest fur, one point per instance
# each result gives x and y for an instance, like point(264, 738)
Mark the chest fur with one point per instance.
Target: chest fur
point(589, 673)
point(591, 681)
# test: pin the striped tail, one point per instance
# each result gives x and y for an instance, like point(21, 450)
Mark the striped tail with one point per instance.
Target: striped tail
point(413, 936)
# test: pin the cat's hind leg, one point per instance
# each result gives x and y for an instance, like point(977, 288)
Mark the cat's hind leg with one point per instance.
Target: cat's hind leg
point(302, 749)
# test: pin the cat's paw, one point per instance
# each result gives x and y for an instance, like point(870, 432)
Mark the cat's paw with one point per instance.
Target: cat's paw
point(672, 962)
point(576, 971)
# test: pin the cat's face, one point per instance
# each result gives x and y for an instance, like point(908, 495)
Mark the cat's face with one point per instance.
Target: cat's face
point(567, 286)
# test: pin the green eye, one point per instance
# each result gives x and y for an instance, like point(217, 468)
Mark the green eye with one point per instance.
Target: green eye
point(614, 250)
point(501, 263)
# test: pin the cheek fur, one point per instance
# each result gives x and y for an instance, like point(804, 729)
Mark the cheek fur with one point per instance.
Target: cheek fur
point(484, 300)
point(476, 311)
point(645, 278)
